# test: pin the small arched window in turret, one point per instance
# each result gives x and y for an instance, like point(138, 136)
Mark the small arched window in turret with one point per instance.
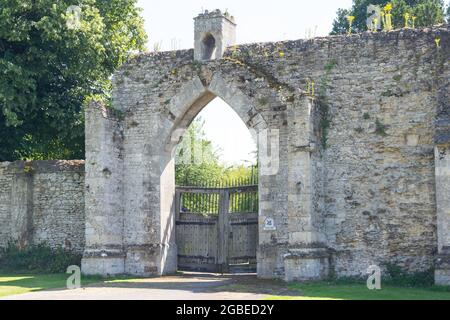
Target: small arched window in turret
point(208, 47)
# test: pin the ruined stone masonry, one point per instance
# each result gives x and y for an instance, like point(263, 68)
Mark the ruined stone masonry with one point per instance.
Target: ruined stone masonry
point(363, 169)
point(43, 202)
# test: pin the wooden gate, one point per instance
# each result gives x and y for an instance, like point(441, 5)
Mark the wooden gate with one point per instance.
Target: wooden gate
point(217, 228)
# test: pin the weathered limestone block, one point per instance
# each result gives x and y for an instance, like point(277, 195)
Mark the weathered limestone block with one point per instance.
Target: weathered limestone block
point(104, 194)
point(307, 264)
point(442, 160)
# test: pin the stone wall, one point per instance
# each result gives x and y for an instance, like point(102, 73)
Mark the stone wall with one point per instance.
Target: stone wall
point(5, 203)
point(360, 159)
point(384, 94)
point(43, 202)
point(356, 184)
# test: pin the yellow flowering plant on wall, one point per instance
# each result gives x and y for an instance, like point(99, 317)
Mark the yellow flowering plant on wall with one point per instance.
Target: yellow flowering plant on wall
point(374, 25)
point(280, 51)
point(410, 20)
point(386, 17)
point(350, 20)
point(414, 21)
point(310, 87)
point(406, 16)
point(234, 51)
point(388, 7)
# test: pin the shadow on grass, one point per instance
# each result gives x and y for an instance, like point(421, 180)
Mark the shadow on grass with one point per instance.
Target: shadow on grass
point(11, 284)
point(194, 283)
point(17, 283)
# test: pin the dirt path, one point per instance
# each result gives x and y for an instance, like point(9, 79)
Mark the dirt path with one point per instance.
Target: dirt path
point(185, 287)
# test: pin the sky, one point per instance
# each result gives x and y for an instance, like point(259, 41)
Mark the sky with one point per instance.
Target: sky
point(170, 24)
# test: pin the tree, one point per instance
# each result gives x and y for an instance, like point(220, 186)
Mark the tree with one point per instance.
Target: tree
point(399, 8)
point(340, 24)
point(48, 70)
point(196, 160)
point(197, 164)
point(448, 12)
point(428, 13)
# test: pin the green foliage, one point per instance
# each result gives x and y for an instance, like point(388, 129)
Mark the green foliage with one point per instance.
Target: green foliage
point(36, 258)
point(388, 93)
point(399, 8)
point(324, 107)
point(196, 159)
point(235, 176)
point(380, 128)
point(18, 283)
point(48, 70)
point(359, 291)
point(428, 13)
point(198, 162)
point(325, 124)
point(240, 173)
point(330, 65)
point(197, 165)
point(399, 277)
point(448, 12)
point(263, 101)
point(359, 11)
point(340, 23)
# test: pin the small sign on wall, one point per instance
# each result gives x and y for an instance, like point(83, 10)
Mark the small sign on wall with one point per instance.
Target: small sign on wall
point(269, 224)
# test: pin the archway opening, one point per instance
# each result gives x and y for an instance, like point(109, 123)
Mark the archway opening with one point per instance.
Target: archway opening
point(216, 198)
point(208, 47)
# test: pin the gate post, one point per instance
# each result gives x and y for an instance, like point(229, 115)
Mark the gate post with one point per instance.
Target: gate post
point(307, 256)
point(223, 231)
point(103, 253)
point(442, 167)
point(177, 204)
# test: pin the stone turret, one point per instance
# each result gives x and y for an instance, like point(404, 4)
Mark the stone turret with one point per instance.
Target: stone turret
point(214, 32)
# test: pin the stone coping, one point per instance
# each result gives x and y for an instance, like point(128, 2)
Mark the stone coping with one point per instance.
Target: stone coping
point(405, 33)
point(44, 166)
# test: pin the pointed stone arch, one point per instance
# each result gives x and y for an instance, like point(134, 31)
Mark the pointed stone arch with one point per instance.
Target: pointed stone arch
point(194, 96)
point(152, 123)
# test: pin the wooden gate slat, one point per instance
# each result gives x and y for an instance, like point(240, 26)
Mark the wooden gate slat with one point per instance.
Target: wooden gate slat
point(214, 242)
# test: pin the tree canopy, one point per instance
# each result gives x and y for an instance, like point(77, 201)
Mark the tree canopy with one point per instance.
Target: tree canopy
point(198, 160)
point(48, 70)
point(428, 13)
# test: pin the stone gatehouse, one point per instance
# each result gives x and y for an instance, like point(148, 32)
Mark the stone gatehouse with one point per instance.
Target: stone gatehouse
point(353, 133)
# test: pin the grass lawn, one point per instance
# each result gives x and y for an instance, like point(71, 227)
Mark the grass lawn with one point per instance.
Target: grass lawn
point(12, 284)
point(333, 291)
